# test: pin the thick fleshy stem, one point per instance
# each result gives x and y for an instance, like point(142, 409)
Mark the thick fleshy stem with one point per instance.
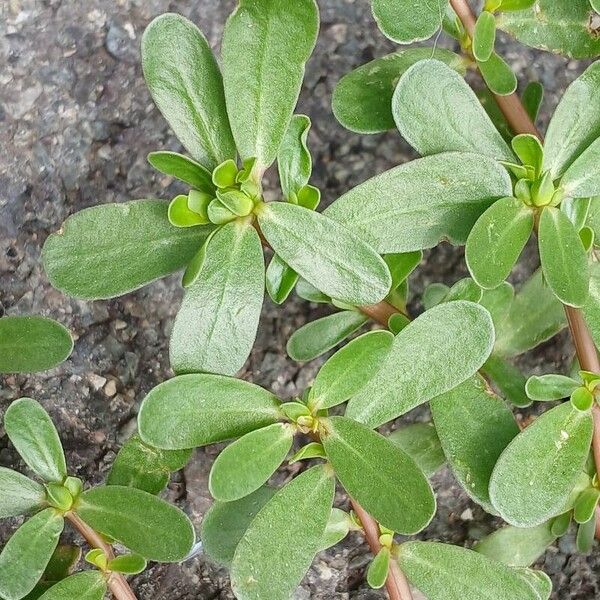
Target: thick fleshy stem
point(116, 582)
point(517, 117)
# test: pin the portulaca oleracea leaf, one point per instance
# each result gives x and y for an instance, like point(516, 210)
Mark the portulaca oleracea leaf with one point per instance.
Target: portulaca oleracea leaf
point(282, 540)
point(111, 249)
point(415, 205)
point(537, 472)
point(443, 347)
point(293, 159)
point(216, 325)
point(18, 494)
point(200, 409)
point(184, 80)
point(420, 441)
point(30, 344)
point(265, 47)
point(87, 585)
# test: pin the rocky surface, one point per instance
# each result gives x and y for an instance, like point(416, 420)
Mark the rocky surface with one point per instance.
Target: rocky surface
point(76, 123)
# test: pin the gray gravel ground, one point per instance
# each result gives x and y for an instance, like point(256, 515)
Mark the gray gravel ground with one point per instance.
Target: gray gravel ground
point(76, 123)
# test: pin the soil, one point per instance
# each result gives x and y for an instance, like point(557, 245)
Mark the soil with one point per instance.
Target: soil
point(76, 123)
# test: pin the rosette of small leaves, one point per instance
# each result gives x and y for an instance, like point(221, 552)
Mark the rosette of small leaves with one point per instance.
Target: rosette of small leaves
point(30, 344)
point(233, 124)
point(32, 564)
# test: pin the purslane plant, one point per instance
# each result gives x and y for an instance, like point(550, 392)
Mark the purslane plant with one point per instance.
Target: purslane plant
point(477, 184)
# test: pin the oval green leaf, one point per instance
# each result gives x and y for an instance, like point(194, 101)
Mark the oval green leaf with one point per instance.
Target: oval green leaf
point(142, 522)
point(517, 546)
point(216, 325)
point(446, 572)
point(319, 336)
point(440, 349)
point(280, 280)
point(421, 443)
point(35, 438)
point(415, 205)
point(576, 120)
point(88, 585)
point(497, 240)
point(294, 162)
point(474, 427)
point(200, 409)
point(535, 475)
point(484, 36)
point(282, 540)
point(498, 75)
point(328, 255)
point(247, 463)
point(183, 168)
point(550, 387)
point(362, 99)
point(450, 120)
point(563, 257)
point(378, 569)
point(109, 250)
point(26, 554)
point(131, 564)
point(379, 475)
point(31, 344)
point(405, 21)
point(582, 179)
point(185, 83)
point(271, 40)
point(350, 369)
point(18, 494)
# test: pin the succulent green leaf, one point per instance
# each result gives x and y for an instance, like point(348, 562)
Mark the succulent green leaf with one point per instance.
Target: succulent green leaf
point(554, 26)
point(591, 308)
point(550, 387)
point(362, 99)
point(440, 349)
point(585, 505)
point(415, 205)
point(183, 168)
point(498, 301)
point(293, 160)
point(350, 369)
point(434, 294)
point(577, 209)
point(216, 325)
point(540, 583)
point(516, 546)
point(379, 475)
point(484, 36)
point(420, 441)
point(405, 22)
point(498, 75)
point(308, 292)
point(582, 178)
point(200, 409)
point(131, 564)
point(271, 40)
point(474, 427)
point(534, 316)
point(337, 528)
point(451, 120)
point(585, 536)
point(225, 524)
point(319, 336)
point(35, 438)
point(30, 344)
point(464, 289)
point(497, 240)
point(145, 467)
point(532, 97)
point(112, 249)
point(18, 494)
point(397, 322)
point(142, 522)
point(378, 569)
point(87, 585)
point(280, 280)
point(446, 572)
point(535, 475)
point(328, 255)
point(185, 83)
point(529, 150)
point(563, 257)
point(401, 265)
point(181, 216)
point(576, 120)
point(247, 463)
point(28, 552)
point(507, 378)
point(282, 540)
point(311, 450)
